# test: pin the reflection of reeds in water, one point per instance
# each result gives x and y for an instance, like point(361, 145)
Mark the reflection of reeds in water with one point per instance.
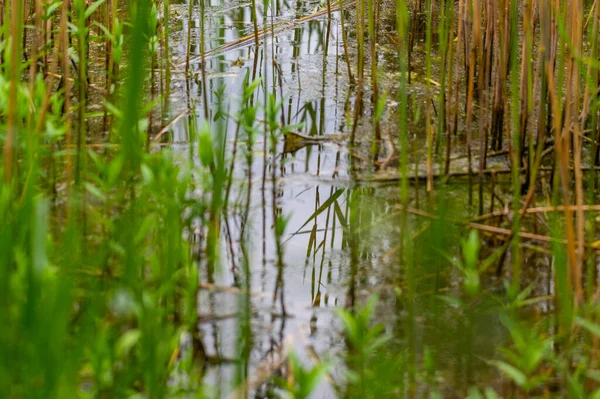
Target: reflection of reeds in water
point(496, 44)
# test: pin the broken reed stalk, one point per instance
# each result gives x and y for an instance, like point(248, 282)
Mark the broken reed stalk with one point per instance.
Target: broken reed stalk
point(508, 234)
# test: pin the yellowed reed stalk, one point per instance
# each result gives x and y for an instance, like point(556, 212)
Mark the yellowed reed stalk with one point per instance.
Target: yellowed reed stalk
point(525, 82)
point(490, 39)
point(454, 113)
point(345, 43)
point(36, 44)
point(501, 67)
point(470, 86)
point(50, 77)
point(64, 51)
point(562, 154)
point(571, 134)
point(15, 55)
point(590, 90)
point(478, 14)
point(544, 53)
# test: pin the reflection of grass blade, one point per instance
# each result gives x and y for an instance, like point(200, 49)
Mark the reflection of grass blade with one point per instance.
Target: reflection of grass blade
point(340, 215)
point(311, 240)
point(321, 209)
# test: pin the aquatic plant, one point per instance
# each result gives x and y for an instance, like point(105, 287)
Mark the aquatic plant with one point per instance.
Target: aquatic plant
point(121, 253)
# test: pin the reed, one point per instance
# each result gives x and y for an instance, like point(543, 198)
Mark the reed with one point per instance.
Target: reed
point(81, 15)
point(374, 73)
point(114, 242)
point(515, 152)
point(167, 58)
point(14, 78)
point(345, 43)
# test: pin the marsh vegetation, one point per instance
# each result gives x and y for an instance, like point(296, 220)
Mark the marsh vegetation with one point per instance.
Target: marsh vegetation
point(294, 198)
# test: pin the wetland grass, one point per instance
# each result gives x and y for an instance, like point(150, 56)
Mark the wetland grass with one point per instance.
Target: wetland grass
point(117, 249)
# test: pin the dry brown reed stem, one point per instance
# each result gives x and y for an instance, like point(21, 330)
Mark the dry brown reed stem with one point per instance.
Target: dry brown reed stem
point(447, 97)
point(24, 17)
point(470, 88)
point(111, 68)
point(107, 42)
point(41, 120)
point(501, 67)
point(494, 230)
point(167, 53)
point(575, 26)
point(594, 76)
point(540, 209)
point(11, 132)
point(230, 290)
point(479, 43)
point(596, 32)
point(563, 162)
point(524, 83)
point(188, 47)
point(459, 19)
point(458, 174)
point(593, 89)
point(36, 44)
point(429, 131)
point(255, 24)
point(545, 51)
point(345, 44)
point(486, 76)
point(265, 369)
point(91, 86)
point(579, 198)
point(360, 33)
point(170, 124)
point(64, 51)
point(374, 74)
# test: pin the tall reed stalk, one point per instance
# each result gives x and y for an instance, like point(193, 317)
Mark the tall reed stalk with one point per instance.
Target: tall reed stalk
point(16, 8)
point(515, 143)
point(402, 18)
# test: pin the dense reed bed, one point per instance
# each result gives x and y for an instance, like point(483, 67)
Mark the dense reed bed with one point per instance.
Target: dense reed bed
point(454, 248)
